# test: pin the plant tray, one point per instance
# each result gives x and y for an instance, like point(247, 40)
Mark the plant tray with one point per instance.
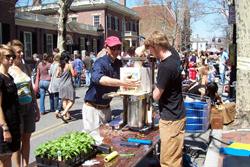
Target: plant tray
point(75, 161)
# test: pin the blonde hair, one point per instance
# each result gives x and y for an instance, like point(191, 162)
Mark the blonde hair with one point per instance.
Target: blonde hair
point(4, 48)
point(201, 71)
point(57, 58)
point(157, 38)
point(15, 42)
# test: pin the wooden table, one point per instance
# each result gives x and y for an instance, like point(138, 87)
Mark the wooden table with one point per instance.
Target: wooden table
point(114, 138)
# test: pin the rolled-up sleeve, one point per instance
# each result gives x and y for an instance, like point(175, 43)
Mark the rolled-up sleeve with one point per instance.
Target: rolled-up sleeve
point(97, 72)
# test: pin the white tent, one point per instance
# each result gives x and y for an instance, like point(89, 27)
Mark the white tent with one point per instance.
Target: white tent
point(213, 49)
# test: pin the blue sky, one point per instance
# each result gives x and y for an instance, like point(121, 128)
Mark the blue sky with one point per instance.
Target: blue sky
point(200, 27)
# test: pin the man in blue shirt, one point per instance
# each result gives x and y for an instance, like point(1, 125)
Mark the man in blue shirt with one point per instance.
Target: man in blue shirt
point(223, 59)
point(105, 78)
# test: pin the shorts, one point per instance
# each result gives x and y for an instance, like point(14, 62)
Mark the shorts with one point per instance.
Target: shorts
point(93, 118)
point(28, 116)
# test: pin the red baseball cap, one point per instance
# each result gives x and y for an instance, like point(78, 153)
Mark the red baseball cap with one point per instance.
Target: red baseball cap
point(112, 41)
point(191, 64)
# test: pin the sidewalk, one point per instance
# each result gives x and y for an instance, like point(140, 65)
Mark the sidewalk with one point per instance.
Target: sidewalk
point(236, 131)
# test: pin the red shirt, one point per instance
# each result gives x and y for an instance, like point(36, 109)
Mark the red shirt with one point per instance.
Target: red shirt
point(192, 73)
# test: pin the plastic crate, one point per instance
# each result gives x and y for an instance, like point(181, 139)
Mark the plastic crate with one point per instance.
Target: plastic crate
point(198, 113)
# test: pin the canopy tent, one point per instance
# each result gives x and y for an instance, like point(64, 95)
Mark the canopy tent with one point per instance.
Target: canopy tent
point(213, 49)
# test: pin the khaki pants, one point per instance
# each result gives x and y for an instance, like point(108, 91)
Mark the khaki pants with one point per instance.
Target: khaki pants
point(93, 118)
point(172, 137)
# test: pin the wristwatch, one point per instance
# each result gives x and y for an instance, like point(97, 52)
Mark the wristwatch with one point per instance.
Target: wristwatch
point(6, 130)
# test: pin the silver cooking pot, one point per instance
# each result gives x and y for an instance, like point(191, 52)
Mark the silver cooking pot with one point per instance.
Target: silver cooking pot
point(137, 111)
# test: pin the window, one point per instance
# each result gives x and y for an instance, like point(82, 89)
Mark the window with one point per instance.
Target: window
point(96, 20)
point(116, 24)
point(82, 44)
point(131, 26)
point(136, 30)
point(74, 19)
point(27, 45)
point(109, 22)
point(95, 46)
point(123, 25)
point(49, 44)
point(0, 33)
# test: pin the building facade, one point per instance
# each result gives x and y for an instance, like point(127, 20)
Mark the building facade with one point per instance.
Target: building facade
point(36, 26)
point(7, 20)
point(115, 18)
point(173, 21)
point(199, 44)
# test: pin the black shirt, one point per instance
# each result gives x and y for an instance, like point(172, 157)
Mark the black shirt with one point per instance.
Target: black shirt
point(171, 103)
point(195, 89)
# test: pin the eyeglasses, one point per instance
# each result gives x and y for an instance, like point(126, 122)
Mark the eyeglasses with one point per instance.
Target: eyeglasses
point(115, 47)
point(9, 56)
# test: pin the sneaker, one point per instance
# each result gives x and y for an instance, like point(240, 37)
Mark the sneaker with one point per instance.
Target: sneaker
point(57, 115)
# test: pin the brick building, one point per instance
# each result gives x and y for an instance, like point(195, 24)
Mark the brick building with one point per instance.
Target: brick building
point(173, 21)
point(115, 18)
point(36, 25)
point(7, 20)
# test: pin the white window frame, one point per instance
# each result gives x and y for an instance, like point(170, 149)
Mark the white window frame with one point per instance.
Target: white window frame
point(49, 44)
point(94, 15)
point(95, 46)
point(26, 43)
point(116, 24)
point(109, 22)
point(82, 43)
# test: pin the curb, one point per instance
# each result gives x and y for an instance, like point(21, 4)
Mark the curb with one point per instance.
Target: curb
point(213, 153)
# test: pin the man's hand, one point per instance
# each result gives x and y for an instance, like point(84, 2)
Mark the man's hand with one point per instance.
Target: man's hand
point(128, 82)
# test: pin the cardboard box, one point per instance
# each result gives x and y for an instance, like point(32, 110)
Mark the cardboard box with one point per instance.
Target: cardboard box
point(227, 111)
point(217, 122)
point(143, 74)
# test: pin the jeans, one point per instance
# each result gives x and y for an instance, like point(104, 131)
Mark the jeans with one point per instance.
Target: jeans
point(43, 87)
point(57, 102)
point(88, 76)
point(222, 73)
point(78, 78)
point(222, 78)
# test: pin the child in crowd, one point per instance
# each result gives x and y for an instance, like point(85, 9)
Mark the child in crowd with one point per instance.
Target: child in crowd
point(192, 71)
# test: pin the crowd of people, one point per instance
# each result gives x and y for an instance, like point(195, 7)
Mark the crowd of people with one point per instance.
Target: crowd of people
point(60, 77)
point(201, 69)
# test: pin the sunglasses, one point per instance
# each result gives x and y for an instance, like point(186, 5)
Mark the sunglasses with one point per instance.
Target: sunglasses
point(115, 47)
point(9, 56)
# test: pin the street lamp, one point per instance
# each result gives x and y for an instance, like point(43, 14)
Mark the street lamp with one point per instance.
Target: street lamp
point(100, 32)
